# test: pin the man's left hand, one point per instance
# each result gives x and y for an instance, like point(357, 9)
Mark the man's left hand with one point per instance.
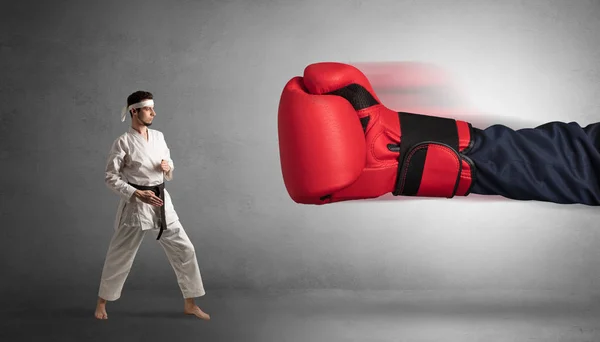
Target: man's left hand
point(164, 165)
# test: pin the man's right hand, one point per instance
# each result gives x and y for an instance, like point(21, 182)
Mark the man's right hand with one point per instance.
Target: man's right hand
point(147, 196)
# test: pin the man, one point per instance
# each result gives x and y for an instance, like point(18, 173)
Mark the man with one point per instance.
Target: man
point(138, 164)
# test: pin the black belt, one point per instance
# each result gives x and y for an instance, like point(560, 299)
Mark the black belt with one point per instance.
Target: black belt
point(159, 191)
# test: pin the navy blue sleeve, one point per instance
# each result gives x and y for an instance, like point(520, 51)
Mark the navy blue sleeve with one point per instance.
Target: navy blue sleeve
point(555, 162)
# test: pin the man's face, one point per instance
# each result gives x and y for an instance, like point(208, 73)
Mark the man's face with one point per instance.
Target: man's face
point(145, 115)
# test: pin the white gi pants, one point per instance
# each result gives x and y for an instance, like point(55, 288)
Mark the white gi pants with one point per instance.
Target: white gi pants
point(123, 247)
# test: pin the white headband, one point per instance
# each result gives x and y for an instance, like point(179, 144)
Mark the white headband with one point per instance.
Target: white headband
point(145, 103)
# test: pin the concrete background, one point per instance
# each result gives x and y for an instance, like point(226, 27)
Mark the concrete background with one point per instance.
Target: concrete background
point(217, 69)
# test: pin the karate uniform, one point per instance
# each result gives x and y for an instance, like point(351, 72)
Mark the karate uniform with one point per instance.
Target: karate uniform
point(133, 159)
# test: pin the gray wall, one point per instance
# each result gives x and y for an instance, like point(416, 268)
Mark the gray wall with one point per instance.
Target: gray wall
point(217, 69)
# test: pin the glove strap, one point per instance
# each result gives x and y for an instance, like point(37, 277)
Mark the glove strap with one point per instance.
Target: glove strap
point(431, 163)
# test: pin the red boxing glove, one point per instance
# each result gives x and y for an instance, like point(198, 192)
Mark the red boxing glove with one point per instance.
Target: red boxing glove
point(337, 142)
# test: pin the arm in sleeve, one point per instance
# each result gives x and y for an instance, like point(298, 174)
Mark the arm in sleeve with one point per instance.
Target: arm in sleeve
point(555, 162)
point(112, 176)
point(169, 174)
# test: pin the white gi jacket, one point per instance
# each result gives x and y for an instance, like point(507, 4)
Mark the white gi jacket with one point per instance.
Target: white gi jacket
point(132, 159)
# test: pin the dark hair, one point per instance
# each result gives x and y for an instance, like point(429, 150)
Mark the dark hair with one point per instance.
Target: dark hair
point(138, 96)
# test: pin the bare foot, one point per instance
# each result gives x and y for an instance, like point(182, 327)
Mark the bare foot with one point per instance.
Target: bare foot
point(101, 309)
point(193, 309)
